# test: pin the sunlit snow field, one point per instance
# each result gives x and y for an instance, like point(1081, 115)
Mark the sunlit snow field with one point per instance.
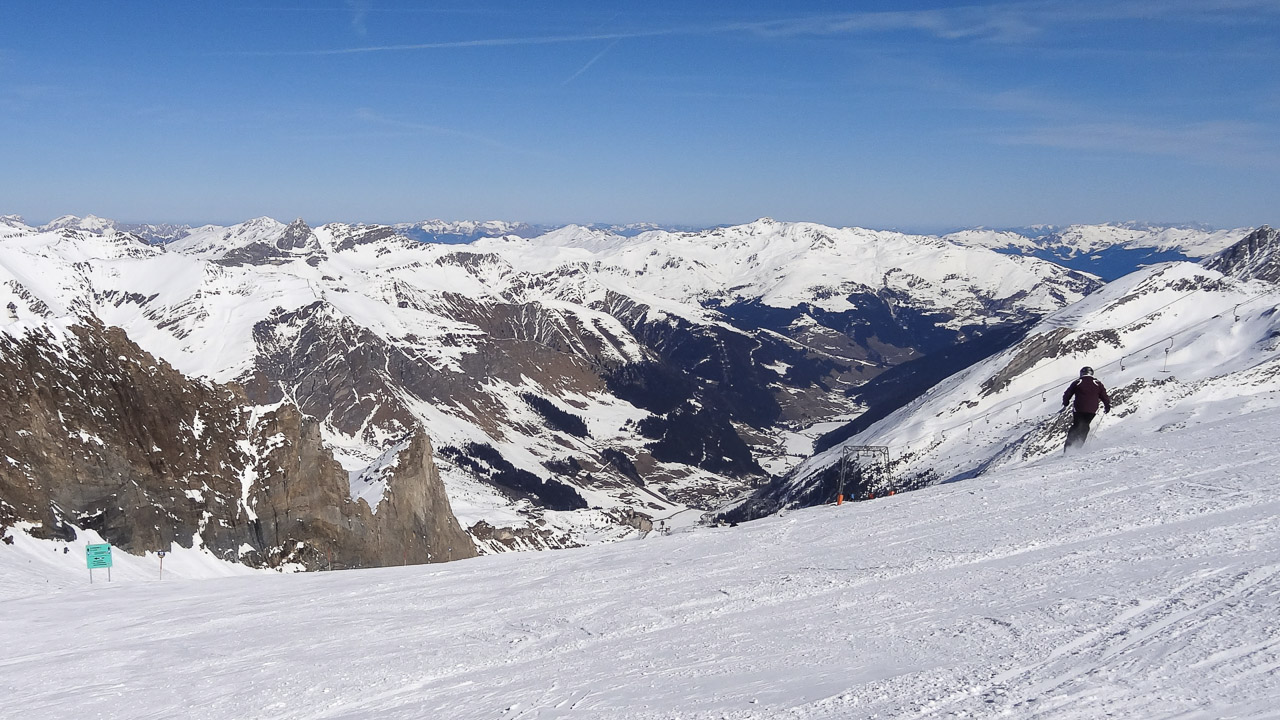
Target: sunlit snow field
point(1138, 580)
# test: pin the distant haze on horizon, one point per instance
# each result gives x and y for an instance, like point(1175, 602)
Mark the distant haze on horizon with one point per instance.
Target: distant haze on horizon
point(919, 116)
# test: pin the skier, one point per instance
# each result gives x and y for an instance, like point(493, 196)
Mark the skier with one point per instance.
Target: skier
point(1088, 392)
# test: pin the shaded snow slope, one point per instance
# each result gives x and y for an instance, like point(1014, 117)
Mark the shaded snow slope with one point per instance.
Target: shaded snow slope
point(1139, 580)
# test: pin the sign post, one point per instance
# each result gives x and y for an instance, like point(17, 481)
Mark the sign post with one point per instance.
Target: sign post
point(161, 553)
point(98, 556)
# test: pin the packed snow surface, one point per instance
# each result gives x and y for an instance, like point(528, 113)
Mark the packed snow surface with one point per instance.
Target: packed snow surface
point(1140, 578)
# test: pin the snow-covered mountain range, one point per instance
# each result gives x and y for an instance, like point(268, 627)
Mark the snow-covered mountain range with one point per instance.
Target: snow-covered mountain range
point(1109, 251)
point(449, 232)
point(269, 394)
point(1176, 344)
point(576, 385)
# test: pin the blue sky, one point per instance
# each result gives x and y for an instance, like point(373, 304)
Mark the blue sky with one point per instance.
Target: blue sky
point(915, 115)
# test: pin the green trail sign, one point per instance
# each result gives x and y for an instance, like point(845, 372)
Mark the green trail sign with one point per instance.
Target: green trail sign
point(98, 556)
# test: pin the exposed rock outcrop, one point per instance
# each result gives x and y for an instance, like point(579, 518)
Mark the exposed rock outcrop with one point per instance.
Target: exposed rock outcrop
point(97, 434)
point(296, 240)
point(1256, 257)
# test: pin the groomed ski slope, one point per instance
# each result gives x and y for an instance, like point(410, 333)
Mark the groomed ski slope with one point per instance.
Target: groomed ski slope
point(1138, 580)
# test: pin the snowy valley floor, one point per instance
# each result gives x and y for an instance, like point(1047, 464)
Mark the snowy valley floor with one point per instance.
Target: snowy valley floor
point(1139, 581)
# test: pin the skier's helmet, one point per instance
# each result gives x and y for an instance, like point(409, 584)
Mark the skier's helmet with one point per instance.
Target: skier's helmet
point(1086, 370)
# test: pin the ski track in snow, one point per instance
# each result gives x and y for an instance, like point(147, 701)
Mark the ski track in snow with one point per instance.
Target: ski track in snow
point(1141, 579)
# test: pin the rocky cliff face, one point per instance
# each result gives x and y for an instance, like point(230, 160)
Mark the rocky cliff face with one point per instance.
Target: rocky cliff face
point(97, 434)
point(1256, 257)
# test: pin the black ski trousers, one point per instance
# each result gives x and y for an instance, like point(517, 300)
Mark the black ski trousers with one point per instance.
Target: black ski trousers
point(1079, 429)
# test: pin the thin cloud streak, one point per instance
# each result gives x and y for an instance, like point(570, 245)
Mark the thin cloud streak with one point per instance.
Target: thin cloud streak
point(1013, 22)
point(1008, 23)
point(590, 62)
point(949, 24)
point(455, 44)
point(932, 22)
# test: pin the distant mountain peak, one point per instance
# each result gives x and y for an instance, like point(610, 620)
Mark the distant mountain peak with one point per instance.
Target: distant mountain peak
point(297, 236)
point(14, 222)
point(88, 223)
point(150, 233)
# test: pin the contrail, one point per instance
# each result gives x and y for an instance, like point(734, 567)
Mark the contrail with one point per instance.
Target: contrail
point(591, 62)
point(489, 42)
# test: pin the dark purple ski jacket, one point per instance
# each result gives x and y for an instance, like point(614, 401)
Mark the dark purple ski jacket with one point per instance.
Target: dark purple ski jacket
point(1088, 391)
